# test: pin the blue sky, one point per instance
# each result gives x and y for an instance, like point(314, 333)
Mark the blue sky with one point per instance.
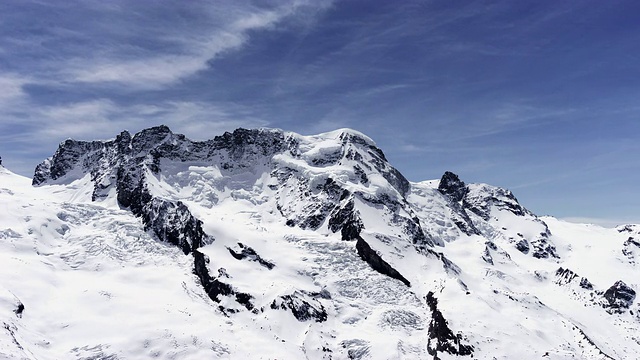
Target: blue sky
point(542, 97)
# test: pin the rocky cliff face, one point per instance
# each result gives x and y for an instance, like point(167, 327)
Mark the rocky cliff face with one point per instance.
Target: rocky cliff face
point(441, 337)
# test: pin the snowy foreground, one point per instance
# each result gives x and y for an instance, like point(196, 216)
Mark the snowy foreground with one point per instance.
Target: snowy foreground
point(263, 244)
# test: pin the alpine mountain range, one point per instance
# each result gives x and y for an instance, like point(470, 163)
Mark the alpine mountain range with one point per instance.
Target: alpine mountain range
point(267, 244)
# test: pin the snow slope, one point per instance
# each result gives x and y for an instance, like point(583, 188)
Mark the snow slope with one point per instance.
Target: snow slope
point(264, 244)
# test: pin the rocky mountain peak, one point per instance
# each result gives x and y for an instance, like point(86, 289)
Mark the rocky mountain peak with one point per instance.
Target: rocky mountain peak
point(452, 186)
point(468, 201)
point(355, 137)
point(249, 143)
point(123, 142)
point(151, 138)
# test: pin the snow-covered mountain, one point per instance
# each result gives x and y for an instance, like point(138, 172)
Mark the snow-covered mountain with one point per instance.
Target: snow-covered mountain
point(265, 244)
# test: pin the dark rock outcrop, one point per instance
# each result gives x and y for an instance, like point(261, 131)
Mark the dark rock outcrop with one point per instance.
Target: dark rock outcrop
point(449, 266)
point(455, 191)
point(19, 309)
point(630, 248)
point(213, 286)
point(540, 247)
point(245, 145)
point(567, 276)
point(523, 246)
point(586, 284)
point(441, 337)
point(347, 220)
point(619, 296)
point(486, 255)
point(544, 249)
point(369, 255)
point(632, 241)
point(250, 254)
point(629, 228)
point(451, 186)
point(173, 223)
point(303, 306)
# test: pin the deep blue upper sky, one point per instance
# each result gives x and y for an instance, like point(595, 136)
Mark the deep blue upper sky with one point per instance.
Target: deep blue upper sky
point(541, 97)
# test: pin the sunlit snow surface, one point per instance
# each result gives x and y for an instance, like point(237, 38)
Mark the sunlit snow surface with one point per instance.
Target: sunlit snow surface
point(95, 285)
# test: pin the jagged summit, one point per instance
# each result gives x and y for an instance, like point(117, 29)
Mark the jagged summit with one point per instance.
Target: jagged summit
point(479, 198)
point(160, 141)
point(471, 202)
point(451, 185)
point(328, 173)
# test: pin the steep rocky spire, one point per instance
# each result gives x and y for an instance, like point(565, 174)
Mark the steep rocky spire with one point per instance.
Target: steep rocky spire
point(451, 185)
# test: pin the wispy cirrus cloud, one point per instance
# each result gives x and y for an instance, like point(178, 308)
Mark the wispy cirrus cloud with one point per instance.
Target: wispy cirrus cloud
point(143, 45)
point(11, 88)
point(190, 52)
point(83, 120)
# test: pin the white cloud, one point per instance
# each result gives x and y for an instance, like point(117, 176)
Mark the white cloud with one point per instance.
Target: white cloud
point(160, 69)
point(411, 148)
point(11, 88)
point(149, 73)
point(197, 120)
point(83, 120)
point(258, 20)
point(157, 71)
point(74, 120)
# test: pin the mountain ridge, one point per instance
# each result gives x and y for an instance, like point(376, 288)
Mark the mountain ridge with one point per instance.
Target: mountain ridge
point(322, 230)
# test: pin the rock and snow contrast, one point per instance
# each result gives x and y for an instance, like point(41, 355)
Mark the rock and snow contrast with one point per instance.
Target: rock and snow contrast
point(265, 244)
